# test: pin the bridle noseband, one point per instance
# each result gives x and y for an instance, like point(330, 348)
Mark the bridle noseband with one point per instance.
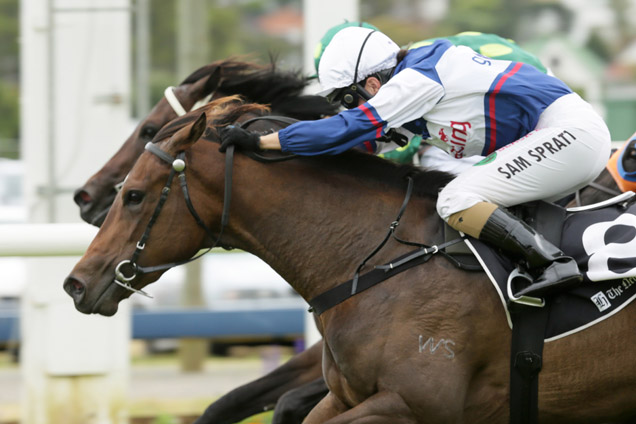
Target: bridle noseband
point(178, 167)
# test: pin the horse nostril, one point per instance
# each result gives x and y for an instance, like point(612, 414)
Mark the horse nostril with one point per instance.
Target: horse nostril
point(82, 197)
point(75, 288)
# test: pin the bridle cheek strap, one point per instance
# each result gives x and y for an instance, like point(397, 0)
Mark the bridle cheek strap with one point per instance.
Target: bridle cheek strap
point(178, 167)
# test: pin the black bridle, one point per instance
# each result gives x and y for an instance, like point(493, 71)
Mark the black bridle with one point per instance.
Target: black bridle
point(178, 167)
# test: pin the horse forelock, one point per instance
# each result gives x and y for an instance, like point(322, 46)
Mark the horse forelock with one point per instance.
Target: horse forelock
point(219, 107)
point(238, 114)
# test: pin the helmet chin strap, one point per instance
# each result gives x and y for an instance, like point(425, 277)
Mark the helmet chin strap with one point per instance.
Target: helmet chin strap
point(356, 90)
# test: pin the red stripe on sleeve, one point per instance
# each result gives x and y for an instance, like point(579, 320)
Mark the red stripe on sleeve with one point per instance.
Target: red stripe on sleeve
point(491, 106)
point(375, 122)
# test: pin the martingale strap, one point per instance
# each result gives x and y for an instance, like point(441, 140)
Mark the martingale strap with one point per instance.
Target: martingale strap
point(392, 227)
point(342, 292)
point(359, 283)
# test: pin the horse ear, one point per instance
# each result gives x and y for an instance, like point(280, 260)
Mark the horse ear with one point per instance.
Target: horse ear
point(213, 82)
point(188, 135)
point(198, 127)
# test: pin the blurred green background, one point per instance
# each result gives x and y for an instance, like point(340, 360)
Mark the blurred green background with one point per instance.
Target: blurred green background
point(591, 44)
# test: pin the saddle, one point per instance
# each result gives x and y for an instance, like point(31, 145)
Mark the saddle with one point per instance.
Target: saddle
point(602, 240)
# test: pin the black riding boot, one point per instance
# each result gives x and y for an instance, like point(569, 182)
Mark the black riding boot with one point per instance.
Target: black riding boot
point(553, 271)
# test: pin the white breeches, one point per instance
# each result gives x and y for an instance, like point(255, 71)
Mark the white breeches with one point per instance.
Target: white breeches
point(567, 150)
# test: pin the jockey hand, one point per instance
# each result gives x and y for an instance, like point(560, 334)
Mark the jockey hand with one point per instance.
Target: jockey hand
point(242, 139)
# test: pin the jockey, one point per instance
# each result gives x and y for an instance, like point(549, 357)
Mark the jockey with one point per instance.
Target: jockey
point(490, 45)
point(542, 141)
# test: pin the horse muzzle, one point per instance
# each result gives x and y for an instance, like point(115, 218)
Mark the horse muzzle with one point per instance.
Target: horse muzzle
point(93, 211)
point(76, 288)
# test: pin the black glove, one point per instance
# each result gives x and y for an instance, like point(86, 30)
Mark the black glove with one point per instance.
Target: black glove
point(395, 137)
point(242, 139)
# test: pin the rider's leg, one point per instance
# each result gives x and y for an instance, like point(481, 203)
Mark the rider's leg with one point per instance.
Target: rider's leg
point(499, 228)
point(566, 151)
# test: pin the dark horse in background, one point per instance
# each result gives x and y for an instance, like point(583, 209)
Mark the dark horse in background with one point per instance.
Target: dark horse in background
point(371, 361)
point(281, 90)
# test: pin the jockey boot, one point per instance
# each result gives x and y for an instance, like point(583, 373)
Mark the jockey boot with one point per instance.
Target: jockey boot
point(551, 269)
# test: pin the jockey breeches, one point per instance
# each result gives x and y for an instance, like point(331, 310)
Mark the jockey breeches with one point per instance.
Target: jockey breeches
point(566, 151)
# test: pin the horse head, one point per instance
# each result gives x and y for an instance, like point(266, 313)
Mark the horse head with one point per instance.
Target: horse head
point(95, 197)
point(146, 228)
point(257, 83)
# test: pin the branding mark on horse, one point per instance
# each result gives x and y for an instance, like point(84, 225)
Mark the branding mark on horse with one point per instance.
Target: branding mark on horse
point(432, 347)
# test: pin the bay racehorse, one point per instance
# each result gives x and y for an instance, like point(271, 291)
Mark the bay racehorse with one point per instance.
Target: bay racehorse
point(313, 220)
point(295, 387)
point(281, 90)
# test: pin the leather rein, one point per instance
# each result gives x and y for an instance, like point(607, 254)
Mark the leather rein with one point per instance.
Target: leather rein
point(128, 269)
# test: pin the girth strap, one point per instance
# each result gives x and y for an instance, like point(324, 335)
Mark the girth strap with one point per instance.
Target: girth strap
point(526, 361)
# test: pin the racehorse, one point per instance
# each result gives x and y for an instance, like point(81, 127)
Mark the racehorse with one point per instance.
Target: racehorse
point(282, 90)
point(297, 386)
point(312, 219)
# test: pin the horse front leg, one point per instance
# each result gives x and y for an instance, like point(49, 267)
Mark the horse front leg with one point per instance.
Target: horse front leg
point(262, 394)
point(381, 408)
point(296, 404)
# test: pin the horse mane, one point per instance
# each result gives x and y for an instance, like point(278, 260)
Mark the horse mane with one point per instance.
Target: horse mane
point(382, 172)
point(266, 84)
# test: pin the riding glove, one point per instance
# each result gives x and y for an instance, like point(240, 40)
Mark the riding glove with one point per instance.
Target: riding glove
point(242, 139)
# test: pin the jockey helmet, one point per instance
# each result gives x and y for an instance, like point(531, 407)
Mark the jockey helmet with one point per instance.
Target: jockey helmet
point(326, 39)
point(353, 54)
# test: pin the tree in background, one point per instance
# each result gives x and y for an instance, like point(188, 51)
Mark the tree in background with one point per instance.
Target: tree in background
point(9, 71)
point(233, 32)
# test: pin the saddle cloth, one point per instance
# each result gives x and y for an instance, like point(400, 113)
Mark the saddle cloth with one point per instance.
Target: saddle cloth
point(603, 243)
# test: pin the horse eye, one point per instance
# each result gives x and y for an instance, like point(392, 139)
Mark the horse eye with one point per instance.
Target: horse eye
point(148, 132)
point(133, 197)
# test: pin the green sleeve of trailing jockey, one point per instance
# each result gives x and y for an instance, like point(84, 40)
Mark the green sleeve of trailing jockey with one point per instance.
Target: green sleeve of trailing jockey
point(404, 154)
point(490, 45)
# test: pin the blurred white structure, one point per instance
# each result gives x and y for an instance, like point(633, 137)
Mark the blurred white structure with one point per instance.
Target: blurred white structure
point(74, 110)
point(319, 16)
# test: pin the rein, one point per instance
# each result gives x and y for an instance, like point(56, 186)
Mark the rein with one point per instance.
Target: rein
point(178, 167)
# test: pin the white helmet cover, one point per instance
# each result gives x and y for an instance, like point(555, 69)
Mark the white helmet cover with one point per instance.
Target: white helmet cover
point(338, 62)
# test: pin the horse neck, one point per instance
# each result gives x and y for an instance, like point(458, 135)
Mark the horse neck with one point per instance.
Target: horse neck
point(314, 228)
